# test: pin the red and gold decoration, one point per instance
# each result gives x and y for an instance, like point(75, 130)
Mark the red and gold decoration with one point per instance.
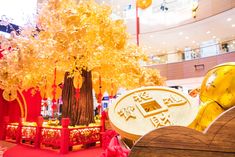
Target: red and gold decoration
point(143, 4)
point(51, 135)
point(77, 82)
point(75, 37)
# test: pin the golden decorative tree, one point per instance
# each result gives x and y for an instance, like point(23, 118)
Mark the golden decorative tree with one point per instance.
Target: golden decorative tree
point(81, 39)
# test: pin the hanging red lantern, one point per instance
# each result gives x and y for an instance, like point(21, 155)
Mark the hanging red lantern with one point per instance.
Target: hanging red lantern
point(100, 97)
point(143, 4)
point(54, 106)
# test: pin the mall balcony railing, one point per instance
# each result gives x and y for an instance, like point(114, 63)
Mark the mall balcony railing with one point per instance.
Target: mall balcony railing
point(191, 54)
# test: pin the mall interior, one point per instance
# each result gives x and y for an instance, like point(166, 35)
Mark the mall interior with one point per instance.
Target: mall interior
point(117, 78)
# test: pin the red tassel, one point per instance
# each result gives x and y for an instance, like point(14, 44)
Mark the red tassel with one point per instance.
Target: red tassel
point(77, 95)
point(100, 98)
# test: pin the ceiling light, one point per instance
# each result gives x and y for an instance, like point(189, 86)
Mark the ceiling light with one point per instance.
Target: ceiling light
point(233, 42)
point(233, 25)
point(187, 37)
point(208, 32)
point(193, 41)
point(163, 42)
point(180, 33)
point(214, 37)
point(151, 36)
point(229, 19)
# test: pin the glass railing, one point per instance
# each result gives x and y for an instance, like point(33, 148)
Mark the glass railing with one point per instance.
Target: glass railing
point(208, 50)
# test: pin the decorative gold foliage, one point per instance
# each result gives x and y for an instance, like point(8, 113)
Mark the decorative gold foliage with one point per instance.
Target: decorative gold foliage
point(73, 37)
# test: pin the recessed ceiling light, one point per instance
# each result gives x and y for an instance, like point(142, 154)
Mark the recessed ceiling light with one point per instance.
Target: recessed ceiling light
point(193, 41)
point(187, 37)
point(233, 42)
point(151, 36)
point(229, 19)
point(180, 33)
point(208, 32)
point(214, 37)
point(233, 25)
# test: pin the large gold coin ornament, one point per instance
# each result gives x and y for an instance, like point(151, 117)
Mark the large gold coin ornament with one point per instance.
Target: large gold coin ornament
point(144, 109)
point(9, 95)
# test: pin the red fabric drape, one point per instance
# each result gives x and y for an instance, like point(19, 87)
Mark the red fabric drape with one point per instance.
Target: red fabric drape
point(3, 112)
point(33, 105)
point(12, 108)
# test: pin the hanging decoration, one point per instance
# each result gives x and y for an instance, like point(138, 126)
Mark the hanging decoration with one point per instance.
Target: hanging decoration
point(9, 94)
point(77, 82)
point(143, 4)
point(194, 8)
point(100, 94)
point(111, 89)
point(54, 101)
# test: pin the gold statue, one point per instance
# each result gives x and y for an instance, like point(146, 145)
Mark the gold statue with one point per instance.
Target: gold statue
point(217, 94)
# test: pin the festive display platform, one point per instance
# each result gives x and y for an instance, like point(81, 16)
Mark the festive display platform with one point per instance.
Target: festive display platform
point(217, 140)
point(62, 137)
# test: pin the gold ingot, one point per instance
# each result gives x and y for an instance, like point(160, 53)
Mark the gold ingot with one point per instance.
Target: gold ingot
point(219, 85)
point(145, 109)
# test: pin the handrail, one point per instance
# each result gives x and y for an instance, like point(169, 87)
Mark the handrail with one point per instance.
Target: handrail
point(227, 46)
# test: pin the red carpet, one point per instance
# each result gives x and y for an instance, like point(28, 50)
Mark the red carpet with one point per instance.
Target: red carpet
point(24, 151)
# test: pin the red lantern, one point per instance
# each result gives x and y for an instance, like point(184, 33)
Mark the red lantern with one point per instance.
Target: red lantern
point(143, 4)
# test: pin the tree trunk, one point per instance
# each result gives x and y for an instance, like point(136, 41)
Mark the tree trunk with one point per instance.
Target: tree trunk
point(79, 111)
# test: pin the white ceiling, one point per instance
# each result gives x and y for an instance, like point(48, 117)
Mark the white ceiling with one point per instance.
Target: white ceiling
point(191, 35)
point(167, 31)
